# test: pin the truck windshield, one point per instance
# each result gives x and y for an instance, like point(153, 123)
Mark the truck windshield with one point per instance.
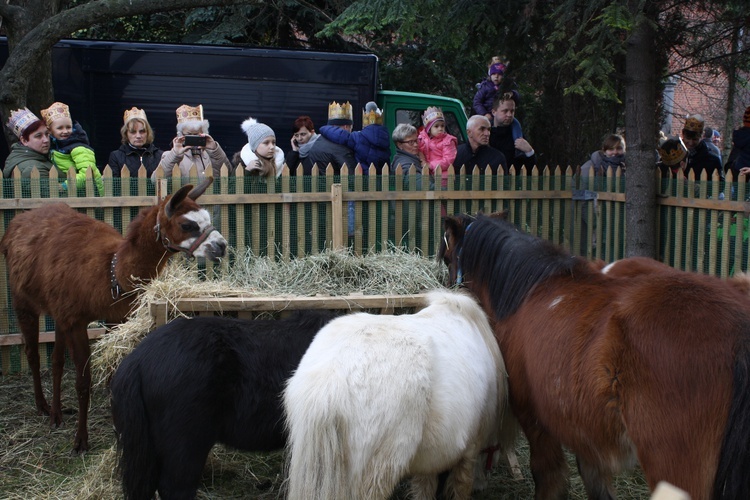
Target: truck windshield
point(414, 116)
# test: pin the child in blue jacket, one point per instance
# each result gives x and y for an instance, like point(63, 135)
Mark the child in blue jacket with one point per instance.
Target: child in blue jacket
point(371, 145)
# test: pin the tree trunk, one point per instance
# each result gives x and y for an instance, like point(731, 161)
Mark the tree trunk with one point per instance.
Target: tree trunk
point(640, 129)
point(731, 71)
point(39, 92)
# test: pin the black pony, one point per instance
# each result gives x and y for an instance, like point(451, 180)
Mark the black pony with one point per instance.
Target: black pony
point(195, 382)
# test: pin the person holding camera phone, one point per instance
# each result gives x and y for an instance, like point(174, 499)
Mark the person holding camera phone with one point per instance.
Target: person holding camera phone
point(193, 146)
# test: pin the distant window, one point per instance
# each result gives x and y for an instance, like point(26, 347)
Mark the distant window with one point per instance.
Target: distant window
point(414, 116)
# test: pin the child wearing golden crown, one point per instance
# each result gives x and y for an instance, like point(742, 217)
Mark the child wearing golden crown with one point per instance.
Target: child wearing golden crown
point(33, 149)
point(437, 149)
point(70, 146)
point(371, 145)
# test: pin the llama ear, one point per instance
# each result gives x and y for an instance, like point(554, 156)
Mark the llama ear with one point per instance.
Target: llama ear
point(176, 199)
point(200, 188)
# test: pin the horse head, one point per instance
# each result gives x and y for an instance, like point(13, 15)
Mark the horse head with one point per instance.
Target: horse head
point(450, 248)
point(183, 225)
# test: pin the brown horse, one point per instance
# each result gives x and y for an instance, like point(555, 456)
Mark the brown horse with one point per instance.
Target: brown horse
point(78, 270)
point(652, 366)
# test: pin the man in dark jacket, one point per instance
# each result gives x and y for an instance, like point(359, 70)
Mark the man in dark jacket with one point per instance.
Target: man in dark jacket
point(323, 151)
point(699, 157)
point(506, 135)
point(477, 151)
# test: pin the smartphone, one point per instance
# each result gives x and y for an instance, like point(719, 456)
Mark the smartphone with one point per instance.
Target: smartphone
point(195, 140)
point(296, 142)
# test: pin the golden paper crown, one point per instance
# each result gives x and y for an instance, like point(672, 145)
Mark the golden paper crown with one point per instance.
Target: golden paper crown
point(132, 114)
point(432, 114)
point(694, 123)
point(56, 111)
point(672, 151)
point(20, 119)
point(371, 115)
point(187, 113)
point(340, 114)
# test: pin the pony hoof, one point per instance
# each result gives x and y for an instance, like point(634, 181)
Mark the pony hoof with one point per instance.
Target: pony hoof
point(78, 451)
point(55, 420)
point(80, 447)
point(42, 408)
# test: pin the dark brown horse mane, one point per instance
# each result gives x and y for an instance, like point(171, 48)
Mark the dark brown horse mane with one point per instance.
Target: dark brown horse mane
point(492, 252)
point(641, 362)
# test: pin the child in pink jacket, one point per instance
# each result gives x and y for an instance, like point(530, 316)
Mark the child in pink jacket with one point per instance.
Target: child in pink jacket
point(436, 147)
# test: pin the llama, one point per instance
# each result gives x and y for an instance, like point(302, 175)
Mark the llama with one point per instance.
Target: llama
point(78, 270)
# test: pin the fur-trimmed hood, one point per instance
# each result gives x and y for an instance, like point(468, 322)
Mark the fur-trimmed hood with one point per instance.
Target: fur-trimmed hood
point(249, 157)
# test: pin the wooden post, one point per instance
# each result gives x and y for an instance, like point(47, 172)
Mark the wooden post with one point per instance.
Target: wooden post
point(337, 214)
point(161, 189)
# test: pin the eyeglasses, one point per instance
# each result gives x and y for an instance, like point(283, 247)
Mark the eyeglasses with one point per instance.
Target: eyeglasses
point(412, 142)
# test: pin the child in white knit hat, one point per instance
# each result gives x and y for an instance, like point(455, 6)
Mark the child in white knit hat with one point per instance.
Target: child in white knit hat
point(260, 155)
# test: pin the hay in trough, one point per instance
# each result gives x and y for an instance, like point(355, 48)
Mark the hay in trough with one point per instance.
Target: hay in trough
point(328, 273)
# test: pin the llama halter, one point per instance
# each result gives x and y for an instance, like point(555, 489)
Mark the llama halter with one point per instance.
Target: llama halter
point(172, 248)
point(115, 287)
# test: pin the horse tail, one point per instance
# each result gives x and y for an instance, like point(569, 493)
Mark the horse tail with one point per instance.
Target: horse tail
point(317, 460)
point(732, 480)
point(135, 449)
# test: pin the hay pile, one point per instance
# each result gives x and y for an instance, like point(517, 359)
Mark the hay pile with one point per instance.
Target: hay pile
point(329, 273)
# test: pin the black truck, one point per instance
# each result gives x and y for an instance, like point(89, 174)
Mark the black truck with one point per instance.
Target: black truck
point(99, 80)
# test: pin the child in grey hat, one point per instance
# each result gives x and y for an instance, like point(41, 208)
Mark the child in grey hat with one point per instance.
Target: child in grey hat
point(260, 155)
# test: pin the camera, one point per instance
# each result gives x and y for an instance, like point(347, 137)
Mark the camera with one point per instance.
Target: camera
point(195, 140)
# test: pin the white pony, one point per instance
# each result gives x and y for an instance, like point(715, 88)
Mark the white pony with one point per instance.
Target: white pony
point(377, 398)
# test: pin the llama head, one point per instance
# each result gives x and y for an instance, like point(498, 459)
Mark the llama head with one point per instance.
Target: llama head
point(184, 226)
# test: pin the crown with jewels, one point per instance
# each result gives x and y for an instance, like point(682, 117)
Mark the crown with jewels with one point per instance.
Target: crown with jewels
point(55, 112)
point(432, 114)
point(20, 119)
point(694, 123)
point(132, 114)
point(371, 115)
point(340, 114)
point(672, 151)
point(187, 113)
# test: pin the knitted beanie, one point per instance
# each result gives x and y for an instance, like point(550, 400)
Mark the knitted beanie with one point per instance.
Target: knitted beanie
point(256, 132)
point(497, 69)
point(746, 117)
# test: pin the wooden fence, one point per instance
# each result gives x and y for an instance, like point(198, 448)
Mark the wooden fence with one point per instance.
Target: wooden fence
point(703, 226)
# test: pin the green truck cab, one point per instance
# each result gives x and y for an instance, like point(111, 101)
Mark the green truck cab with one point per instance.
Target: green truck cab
point(407, 107)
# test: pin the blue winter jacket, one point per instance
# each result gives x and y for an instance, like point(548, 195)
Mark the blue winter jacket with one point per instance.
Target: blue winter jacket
point(371, 145)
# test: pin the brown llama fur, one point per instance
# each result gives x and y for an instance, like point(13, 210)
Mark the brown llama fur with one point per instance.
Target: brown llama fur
point(60, 262)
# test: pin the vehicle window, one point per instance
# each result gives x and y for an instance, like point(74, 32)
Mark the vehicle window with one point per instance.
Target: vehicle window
point(414, 116)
